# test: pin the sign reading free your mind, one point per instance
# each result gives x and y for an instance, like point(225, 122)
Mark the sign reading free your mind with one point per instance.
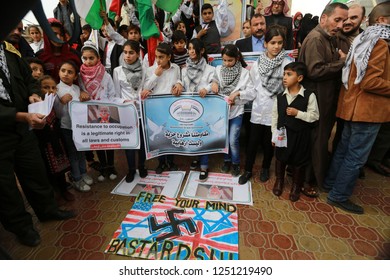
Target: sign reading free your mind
point(163, 228)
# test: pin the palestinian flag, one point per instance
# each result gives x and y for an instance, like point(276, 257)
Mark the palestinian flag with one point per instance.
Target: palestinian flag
point(170, 6)
point(90, 11)
point(115, 9)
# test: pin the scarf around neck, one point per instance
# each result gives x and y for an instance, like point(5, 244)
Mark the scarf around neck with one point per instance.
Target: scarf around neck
point(92, 78)
point(361, 49)
point(230, 78)
point(271, 72)
point(194, 73)
point(133, 74)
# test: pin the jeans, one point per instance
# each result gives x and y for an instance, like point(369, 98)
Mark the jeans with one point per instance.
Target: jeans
point(204, 162)
point(234, 143)
point(78, 166)
point(351, 154)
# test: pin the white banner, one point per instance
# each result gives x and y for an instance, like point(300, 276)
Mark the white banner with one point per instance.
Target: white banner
point(100, 125)
point(166, 183)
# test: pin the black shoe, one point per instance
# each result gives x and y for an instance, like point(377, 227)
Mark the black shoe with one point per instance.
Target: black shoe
point(160, 168)
point(235, 170)
point(377, 167)
point(130, 176)
point(347, 205)
point(244, 177)
point(264, 175)
point(143, 172)
point(203, 175)
point(226, 166)
point(362, 173)
point(173, 167)
point(29, 238)
point(194, 164)
point(58, 215)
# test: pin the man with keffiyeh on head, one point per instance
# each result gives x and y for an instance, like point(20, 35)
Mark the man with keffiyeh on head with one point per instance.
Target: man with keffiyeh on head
point(364, 104)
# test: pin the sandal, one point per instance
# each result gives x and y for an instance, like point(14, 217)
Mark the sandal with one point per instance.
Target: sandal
point(311, 191)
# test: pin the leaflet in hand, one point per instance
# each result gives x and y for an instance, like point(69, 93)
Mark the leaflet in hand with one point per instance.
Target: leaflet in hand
point(43, 107)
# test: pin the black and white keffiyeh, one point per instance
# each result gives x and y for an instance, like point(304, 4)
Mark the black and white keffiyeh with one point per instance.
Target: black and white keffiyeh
point(194, 73)
point(361, 49)
point(133, 74)
point(271, 74)
point(230, 77)
point(3, 66)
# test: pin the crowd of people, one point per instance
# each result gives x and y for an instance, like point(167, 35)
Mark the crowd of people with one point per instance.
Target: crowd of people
point(340, 75)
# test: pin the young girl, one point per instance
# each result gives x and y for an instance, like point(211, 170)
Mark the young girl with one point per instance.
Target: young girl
point(128, 81)
point(233, 81)
point(197, 76)
point(37, 38)
point(246, 29)
point(293, 112)
point(163, 78)
point(180, 25)
point(68, 91)
point(51, 144)
point(98, 83)
point(266, 74)
point(36, 66)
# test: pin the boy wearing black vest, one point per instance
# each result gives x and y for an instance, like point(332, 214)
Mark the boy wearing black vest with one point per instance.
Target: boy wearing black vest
point(293, 115)
point(208, 31)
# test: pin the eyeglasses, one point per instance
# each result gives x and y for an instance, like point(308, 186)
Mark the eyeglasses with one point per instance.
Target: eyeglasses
point(280, 3)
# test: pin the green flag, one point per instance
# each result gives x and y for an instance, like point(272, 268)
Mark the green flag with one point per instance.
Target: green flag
point(168, 5)
point(90, 11)
point(146, 19)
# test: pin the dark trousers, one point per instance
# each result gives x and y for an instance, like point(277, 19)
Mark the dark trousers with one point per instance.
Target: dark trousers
point(381, 148)
point(259, 134)
point(106, 157)
point(130, 154)
point(20, 155)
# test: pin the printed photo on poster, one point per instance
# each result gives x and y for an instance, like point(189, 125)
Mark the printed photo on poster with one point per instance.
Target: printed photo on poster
point(103, 114)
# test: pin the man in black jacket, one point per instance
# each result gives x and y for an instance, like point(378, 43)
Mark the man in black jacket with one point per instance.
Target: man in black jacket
point(254, 43)
point(19, 152)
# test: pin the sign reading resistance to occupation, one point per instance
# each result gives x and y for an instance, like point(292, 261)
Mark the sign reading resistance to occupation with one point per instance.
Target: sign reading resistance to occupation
point(163, 228)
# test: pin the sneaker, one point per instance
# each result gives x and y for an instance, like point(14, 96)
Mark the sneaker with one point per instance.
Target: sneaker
point(194, 164)
point(160, 168)
point(102, 176)
point(244, 177)
point(226, 166)
point(111, 172)
point(235, 170)
point(130, 176)
point(143, 172)
point(203, 175)
point(173, 167)
point(347, 206)
point(87, 179)
point(81, 186)
point(264, 175)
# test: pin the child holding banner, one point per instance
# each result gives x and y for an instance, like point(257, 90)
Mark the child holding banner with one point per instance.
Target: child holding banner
point(98, 83)
point(163, 77)
point(197, 76)
point(233, 81)
point(267, 75)
point(67, 91)
point(128, 81)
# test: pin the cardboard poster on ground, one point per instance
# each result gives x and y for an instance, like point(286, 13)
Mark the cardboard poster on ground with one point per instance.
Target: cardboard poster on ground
point(166, 183)
point(164, 228)
point(218, 187)
point(185, 125)
point(98, 125)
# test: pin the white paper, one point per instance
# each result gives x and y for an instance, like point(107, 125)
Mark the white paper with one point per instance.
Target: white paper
point(43, 107)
